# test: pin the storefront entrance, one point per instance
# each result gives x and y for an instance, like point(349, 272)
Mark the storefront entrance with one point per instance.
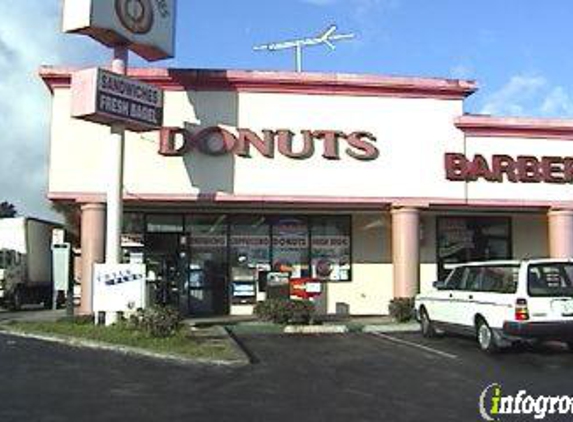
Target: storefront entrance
point(205, 263)
point(468, 238)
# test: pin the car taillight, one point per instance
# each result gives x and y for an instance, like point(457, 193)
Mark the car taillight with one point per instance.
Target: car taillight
point(521, 310)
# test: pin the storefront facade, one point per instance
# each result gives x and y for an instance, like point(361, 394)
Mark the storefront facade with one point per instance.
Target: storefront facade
point(372, 185)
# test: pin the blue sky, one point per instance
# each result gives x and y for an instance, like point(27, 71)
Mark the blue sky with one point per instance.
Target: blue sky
point(518, 50)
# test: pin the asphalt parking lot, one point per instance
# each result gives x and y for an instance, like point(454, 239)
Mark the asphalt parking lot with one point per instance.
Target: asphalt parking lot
point(356, 377)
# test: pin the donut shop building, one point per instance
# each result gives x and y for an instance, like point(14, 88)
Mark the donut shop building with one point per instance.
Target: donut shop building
point(371, 185)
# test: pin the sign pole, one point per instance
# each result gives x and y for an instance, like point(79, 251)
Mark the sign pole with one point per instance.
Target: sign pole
point(115, 184)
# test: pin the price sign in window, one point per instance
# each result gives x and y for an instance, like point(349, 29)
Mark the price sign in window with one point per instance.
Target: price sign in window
point(331, 248)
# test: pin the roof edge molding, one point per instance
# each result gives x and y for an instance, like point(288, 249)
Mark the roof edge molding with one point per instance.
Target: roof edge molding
point(284, 82)
point(515, 127)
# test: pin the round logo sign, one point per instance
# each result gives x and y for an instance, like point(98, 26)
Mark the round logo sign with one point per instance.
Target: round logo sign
point(135, 15)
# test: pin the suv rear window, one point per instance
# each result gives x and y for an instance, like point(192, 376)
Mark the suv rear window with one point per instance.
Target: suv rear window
point(550, 279)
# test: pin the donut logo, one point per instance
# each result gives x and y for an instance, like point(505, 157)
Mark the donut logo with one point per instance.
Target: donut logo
point(135, 15)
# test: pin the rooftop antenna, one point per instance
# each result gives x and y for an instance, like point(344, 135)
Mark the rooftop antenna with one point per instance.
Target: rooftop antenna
point(328, 37)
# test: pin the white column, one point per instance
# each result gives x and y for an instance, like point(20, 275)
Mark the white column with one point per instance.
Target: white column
point(115, 173)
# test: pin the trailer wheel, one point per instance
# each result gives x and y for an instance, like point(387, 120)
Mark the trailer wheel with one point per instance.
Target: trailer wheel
point(48, 301)
point(17, 300)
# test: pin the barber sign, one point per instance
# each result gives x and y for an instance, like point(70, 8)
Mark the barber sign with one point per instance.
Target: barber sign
point(147, 27)
point(105, 97)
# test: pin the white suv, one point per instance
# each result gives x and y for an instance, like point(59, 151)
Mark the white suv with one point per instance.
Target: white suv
point(502, 302)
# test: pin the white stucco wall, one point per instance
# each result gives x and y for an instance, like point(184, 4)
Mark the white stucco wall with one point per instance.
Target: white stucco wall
point(412, 135)
point(514, 147)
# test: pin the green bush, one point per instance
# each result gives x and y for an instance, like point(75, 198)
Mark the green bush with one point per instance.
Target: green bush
point(156, 321)
point(285, 311)
point(402, 309)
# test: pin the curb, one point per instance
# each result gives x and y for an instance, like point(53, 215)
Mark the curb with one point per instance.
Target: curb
point(126, 350)
point(248, 356)
point(392, 328)
point(316, 329)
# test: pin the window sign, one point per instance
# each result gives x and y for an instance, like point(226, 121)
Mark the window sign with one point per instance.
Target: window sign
point(164, 223)
point(291, 246)
point(466, 239)
point(250, 242)
point(331, 249)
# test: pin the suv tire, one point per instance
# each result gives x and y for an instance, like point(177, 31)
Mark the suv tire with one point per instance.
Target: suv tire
point(426, 324)
point(486, 337)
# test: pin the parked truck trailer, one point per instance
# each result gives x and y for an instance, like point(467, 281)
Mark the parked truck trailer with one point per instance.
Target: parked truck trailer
point(25, 262)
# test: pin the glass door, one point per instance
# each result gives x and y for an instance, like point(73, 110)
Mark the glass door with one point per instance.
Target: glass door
point(165, 267)
point(207, 286)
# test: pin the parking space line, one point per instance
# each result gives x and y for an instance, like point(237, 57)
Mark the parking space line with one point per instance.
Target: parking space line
point(415, 345)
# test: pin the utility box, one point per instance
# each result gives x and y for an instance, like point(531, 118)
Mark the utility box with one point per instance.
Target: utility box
point(61, 274)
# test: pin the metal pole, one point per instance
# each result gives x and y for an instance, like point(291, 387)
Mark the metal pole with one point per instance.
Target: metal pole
point(115, 183)
point(298, 55)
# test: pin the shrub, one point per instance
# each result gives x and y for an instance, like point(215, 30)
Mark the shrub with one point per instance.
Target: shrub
point(285, 311)
point(402, 309)
point(156, 321)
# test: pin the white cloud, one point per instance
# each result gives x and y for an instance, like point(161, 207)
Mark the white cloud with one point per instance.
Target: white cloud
point(521, 95)
point(29, 37)
point(462, 71)
point(557, 103)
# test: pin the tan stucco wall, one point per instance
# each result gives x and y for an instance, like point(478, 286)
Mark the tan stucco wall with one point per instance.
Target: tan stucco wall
point(428, 265)
point(530, 236)
point(371, 287)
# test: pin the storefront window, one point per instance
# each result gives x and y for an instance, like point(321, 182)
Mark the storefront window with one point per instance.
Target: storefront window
point(250, 254)
point(250, 242)
point(132, 238)
point(206, 262)
point(330, 252)
point(466, 239)
point(133, 223)
point(291, 246)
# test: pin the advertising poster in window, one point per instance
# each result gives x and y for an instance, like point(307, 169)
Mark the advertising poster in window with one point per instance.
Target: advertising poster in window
point(331, 257)
point(291, 246)
point(454, 236)
point(251, 250)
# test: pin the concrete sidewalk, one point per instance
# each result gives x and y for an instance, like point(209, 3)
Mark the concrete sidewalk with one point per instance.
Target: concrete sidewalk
point(32, 314)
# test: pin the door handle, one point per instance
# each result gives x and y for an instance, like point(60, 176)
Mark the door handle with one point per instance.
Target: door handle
point(451, 295)
point(470, 297)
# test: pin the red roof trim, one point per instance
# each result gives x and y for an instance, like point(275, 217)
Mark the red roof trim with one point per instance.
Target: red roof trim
point(314, 202)
point(515, 127)
point(285, 82)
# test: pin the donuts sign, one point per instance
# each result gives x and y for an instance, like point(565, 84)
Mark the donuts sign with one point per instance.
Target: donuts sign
point(145, 26)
